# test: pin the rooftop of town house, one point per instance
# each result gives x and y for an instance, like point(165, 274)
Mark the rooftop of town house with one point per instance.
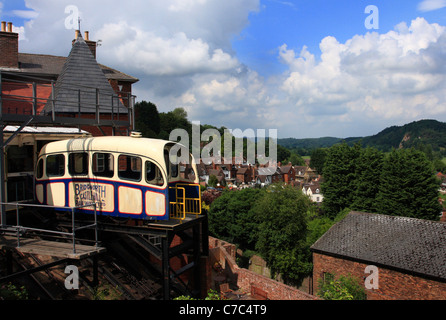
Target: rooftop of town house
point(405, 244)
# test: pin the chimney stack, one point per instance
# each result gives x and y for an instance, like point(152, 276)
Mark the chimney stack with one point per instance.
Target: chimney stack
point(91, 44)
point(9, 47)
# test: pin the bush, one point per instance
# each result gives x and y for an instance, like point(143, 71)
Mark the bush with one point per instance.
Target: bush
point(343, 288)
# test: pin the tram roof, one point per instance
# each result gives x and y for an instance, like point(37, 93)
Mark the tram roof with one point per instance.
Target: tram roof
point(122, 144)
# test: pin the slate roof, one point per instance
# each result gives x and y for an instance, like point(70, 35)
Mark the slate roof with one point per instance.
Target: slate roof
point(405, 244)
point(266, 171)
point(51, 66)
point(82, 72)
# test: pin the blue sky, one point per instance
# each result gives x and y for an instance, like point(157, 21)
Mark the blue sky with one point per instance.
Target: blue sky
point(307, 68)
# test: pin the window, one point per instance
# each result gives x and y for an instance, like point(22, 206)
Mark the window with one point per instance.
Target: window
point(170, 160)
point(129, 167)
point(55, 165)
point(153, 174)
point(78, 163)
point(174, 170)
point(102, 165)
point(39, 173)
point(19, 159)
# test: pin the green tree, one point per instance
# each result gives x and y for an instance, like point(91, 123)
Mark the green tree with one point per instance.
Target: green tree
point(213, 181)
point(282, 153)
point(176, 119)
point(318, 159)
point(147, 119)
point(368, 178)
point(231, 218)
point(408, 186)
point(281, 215)
point(340, 176)
point(296, 159)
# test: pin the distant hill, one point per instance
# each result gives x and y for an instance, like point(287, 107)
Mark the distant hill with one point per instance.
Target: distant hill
point(425, 132)
point(309, 143)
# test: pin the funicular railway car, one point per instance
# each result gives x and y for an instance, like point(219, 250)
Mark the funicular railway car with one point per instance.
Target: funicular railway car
point(127, 177)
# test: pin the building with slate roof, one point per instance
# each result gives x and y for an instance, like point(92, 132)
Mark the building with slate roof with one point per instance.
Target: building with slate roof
point(76, 85)
point(410, 255)
point(82, 84)
point(45, 98)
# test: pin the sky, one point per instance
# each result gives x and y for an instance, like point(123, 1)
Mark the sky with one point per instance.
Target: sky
point(308, 68)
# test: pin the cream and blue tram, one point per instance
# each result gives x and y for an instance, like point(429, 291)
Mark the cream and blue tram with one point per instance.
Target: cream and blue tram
point(126, 177)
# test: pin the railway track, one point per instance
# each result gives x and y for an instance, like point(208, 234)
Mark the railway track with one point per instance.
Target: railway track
point(124, 271)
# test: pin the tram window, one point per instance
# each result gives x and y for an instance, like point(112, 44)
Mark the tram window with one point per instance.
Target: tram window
point(39, 173)
point(153, 174)
point(129, 167)
point(173, 167)
point(78, 163)
point(103, 165)
point(55, 165)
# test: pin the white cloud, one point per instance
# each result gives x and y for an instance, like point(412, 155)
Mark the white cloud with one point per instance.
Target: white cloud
point(185, 5)
point(398, 75)
point(181, 52)
point(156, 55)
point(25, 14)
point(430, 5)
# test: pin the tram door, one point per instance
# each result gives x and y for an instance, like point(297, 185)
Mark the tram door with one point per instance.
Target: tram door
point(184, 197)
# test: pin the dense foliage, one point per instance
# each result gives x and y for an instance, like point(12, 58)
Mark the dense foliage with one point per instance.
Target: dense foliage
point(282, 230)
point(408, 186)
point(342, 288)
point(231, 218)
point(340, 176)
point(274, 222)
point(400, 183)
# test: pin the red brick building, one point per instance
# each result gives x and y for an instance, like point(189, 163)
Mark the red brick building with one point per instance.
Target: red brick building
point(410, 255)
point(76, 85)
point(60, 97)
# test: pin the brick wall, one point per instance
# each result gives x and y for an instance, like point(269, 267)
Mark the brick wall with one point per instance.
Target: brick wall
point(392, 285)
point(275, 290)
point(246, 280)
point(9, 49)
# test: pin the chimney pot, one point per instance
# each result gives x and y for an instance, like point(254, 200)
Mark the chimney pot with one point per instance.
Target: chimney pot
point(86, 35)
point(76, 34)
point(9, 26)
point(3, 26)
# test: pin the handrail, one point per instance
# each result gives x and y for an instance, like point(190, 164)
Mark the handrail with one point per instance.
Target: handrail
point(189, 201)
point(185, 205)
point(20, 228)
point(179, 213)
point(119, 102)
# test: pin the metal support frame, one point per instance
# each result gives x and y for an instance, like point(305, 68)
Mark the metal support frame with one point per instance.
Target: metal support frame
point(2, 161)
point(19, 229)
point(12, 276)
point(196, 245)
